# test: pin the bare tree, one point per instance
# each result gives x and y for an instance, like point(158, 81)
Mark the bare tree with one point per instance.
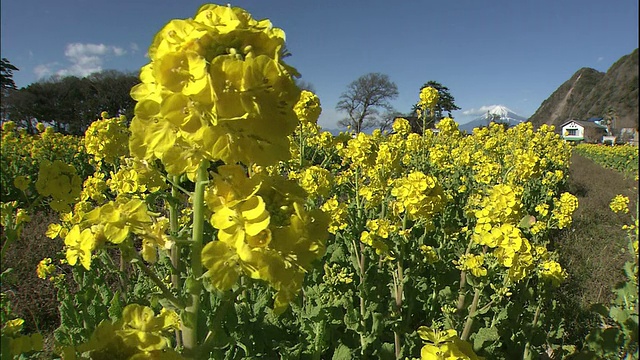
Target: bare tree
point(363, 100)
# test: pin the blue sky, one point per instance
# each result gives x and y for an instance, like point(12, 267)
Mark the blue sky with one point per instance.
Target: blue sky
point(509, 52)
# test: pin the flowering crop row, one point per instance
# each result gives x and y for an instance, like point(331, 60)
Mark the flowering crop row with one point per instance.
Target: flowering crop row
point(235, 228)
point(623, 158)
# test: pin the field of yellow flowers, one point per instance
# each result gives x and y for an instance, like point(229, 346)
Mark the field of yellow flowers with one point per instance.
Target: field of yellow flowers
point(222, 223)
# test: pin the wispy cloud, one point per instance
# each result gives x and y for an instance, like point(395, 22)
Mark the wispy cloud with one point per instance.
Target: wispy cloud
point(84, 59)
point(134, 47)
point(600, 59)
point(480, 111)
point(44, 70)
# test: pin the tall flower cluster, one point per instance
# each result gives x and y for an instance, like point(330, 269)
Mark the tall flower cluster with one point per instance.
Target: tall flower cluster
point(216, 89)
point(496, 227)
point(264, 232)
point(107, 139)
point(564, 208)
point(420, 195)
point(61, 182)
point(428, 98)
point(308, 107)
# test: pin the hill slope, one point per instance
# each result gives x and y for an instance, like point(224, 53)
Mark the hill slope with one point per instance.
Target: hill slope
point(589, 93)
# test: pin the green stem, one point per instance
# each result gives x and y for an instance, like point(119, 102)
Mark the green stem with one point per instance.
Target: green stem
point(361, 263)
point(122, 279)
point(175, 250)
point(173, 180)
point(399, 291)
point(463, 282)
point(301, 145)
point(472, 313)
point(226, 304)
point(527, 347)
point(399, 288)
point(173, 225)
point(154, 278)
point(190, 328)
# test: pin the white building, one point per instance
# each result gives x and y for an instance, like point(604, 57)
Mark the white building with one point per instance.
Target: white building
point(587, 131)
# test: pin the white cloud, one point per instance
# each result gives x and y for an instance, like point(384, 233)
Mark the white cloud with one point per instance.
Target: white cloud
point(44, 70)
point(87, 58)
point(481, 111)
point(119, 51)
point(600, 59)
point(134, 47)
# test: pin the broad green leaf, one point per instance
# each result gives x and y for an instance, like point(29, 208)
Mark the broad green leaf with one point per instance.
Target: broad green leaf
point(485, 335)
point(342, 353)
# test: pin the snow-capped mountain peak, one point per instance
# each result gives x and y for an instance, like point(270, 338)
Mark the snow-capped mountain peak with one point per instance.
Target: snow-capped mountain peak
point(497, 113)
point(502, 113)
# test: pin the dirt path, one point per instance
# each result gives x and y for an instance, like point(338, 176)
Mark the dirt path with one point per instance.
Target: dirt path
point(594, 249)
point(594, 246)
point(595, 186)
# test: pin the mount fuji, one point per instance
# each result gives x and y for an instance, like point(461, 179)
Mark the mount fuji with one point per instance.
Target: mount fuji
point(496, 113)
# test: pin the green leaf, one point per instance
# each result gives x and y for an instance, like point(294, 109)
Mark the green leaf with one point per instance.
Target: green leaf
point(351, 319)
point(313, 312)
point(187, 318)
point(619, 315)
point(607, 341)
point(342, 353)
point(6, 352)
point(600, 309)
point(378, 323)
point(387, 352)
point(115, 306)
point(527, 221)
point(485, 335)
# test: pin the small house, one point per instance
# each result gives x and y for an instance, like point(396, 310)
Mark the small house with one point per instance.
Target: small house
point(587, 131)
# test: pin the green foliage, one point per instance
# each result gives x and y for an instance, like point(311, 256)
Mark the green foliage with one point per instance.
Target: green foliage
point(70, 103)
point(21, 155)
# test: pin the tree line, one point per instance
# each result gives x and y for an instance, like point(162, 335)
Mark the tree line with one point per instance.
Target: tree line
point(69, 104)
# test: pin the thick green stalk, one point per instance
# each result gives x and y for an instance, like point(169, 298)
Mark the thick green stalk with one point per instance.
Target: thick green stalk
point(463, 282)
point(361, 264)
point(175, 250)
point(472, 313)
point(399, 289)
point(301, 149)
point(527, 347)
point(190, 327)
point(173, 224)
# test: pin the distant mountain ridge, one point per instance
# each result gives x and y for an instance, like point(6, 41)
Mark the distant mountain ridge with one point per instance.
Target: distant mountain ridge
point(590, 93)
point(500, 113)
